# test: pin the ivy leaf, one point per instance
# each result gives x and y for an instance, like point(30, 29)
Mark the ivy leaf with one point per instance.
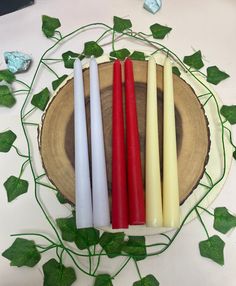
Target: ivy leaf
point(120, 25)
point(103, 280)
point(57, 274)
point(41, 99)
point(215, 76)
point(137, 56)
point(148, 280)
point(67, 227)
point(61, 198)
point(7, 75)
point(159, 31)
point(86, 237)
point(234, 154)
point(121, 54)
point(92, 49)
point(135, 247)
point(69, 58)
point(15, 187)
point(6, 97)
point(194, 60)
point(176, 71)
point(223, 220)
point(112, 243)
point(7, 139)
point(229, 112)
point(83, 237)
point(22, 252)
point(58, 81)
point(213, 248)
point(49, 25)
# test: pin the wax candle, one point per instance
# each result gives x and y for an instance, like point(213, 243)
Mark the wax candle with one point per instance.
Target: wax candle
point(153, 180)
point(101, 215)
point(134, 170)
point(119, 189)
point(170, 171)
point(83, 202)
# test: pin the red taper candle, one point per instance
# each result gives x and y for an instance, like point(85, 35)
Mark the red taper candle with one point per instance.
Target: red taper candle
point(119, 185)
point(134, 171)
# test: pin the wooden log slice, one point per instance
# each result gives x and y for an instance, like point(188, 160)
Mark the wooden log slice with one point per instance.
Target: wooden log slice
point(57, 132)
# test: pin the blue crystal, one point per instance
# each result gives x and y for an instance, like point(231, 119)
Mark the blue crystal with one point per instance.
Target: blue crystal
point(152, 5)
point(17, 61)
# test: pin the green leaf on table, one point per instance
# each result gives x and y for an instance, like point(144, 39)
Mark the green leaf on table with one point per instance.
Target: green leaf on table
point(15, 187)
point(223, 220)
point(137, 56)
point(6, 97)
point(135, 247)
point(120, 25)
point(121, 54)
point(67, 227)
point(58, 81)
point(61, 198)
point(83, 237)
point(92, 49)
point(7, 139)
point(49, 25)
point(215, 76)
point(86, 237)
point(112, 243)
point(194, 60)
point(234, 154)
point(7, 75)
point(22, 252)
point(69, 58)
point(148, 280)
point(41, 99)
point(103, 280)
point(176, 71)
point(159, 31)
point(229, 112)
point(213, 248)
point(56, 274)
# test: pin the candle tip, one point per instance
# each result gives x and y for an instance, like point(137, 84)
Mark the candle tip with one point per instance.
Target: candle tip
point(77, 62)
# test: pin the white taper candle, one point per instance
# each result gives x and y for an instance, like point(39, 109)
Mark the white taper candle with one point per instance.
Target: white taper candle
point(170, 169)
point(101, 214)
point(153, 178)
point(83, 201)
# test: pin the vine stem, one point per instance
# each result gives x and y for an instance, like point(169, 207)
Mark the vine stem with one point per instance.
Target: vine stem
point(34, 234)
point(27, 113)
point(138, 270)
point(200, 219)
point(123, 266)
point(230, 136)
point(23, 167)
point(46, 185)
point(20, 90)
point(98, 262)
point(18, 152)
point(48, 67)
point(20, 81)
point(205, 210)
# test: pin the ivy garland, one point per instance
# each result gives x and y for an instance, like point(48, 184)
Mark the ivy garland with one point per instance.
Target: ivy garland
point(91, 244)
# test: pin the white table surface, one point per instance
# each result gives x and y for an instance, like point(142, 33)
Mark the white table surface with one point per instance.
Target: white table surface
point(206, 25)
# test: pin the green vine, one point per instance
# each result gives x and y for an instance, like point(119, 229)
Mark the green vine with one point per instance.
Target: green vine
point(91, 244)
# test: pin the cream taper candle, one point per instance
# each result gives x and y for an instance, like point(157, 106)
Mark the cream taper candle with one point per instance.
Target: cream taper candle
point(153, 180)
point(83, 202)
point(170, 168)
point(101, 214)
